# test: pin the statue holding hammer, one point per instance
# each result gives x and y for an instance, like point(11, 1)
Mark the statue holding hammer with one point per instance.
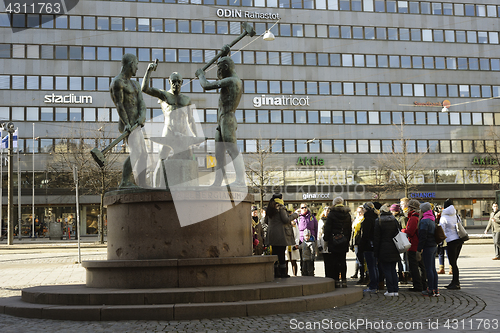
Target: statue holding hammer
point(231, 89)
point(127, 96)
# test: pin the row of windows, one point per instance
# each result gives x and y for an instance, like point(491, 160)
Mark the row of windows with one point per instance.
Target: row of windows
point(248, 57)
point(45, 145)
point(380, 6)
point(225, 27)
point(76, 83)
point(262, 116)
point(365, 146)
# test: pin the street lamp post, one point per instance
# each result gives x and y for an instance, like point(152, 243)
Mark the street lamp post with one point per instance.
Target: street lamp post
point(10, 194)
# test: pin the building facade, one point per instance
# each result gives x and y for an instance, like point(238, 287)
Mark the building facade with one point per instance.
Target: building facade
point(344, 84)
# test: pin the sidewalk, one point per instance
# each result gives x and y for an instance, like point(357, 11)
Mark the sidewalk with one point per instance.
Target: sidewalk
point(468, 310)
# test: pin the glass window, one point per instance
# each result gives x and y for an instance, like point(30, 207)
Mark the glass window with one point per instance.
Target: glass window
point(381, 33)
point(297, 30)
point(375, 146)
point(261, 57)
point(445, 146)
point(326, 146)
point(409, 118)
point(453, 90)
point(289, 146)
point(130, 24)
point(312, 88)
point(471, 37)
point(337, 118)
point(397, 117)
point(404, 34)
point(392, 33)
point(288, 117)
point(382, 61)
point(493, 37)
point(415, 35)
point(482, 37)
point(436, 8)
point(75, 22)
point(454, 118)
point(298, 58)
point(345, 32)
point(311, 59)
point(209, 27)
point(427, 34)
point(313, 117)
point(337, 88)
point(385, 117)
point(275, 116)
point(369, 33)
point(46, 114)
point(438, 35)
point(384, 89)
point(350, 117)
point(324, 88)
point(61, 114)
point(433, 146)
point(359, 60)
point(440, 63)
point(466, 118)
point(394, 61)
point(373, 117)
point(432, 118)
point(348, 88)
point(387, 146)
point(459, 9)
point(395, 89)
point(357, 33)
point(372, 89)
point(360, 88)
point(407, 89)
point(347, 60)
point(443, 118)
point(75, 114)
point(338, 146)
point(361, 117)
point(371, 60)
point(449, 36)
point(461, 36)
point(325, 117)
point(350, 146)
point(469, 10)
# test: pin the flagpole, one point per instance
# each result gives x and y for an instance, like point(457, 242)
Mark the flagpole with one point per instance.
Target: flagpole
point(33, 185)
point(19, 192)
point(1, 184)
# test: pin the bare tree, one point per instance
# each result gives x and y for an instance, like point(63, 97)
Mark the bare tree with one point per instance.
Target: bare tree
point(400, 168)
point(260, 170)
point(92, 179)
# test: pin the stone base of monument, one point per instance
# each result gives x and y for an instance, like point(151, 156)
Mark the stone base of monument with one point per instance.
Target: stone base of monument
point(179, 256)
point(78, 302)
point(179, 273)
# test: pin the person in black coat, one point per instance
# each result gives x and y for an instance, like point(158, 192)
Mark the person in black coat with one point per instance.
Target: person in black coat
point(338, 222)
point(384, 249)
point(366, 244)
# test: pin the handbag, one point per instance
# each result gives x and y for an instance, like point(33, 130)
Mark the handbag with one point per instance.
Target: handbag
point(464, 236)
point(439, 234)
point(338, 243)
point(401, 241)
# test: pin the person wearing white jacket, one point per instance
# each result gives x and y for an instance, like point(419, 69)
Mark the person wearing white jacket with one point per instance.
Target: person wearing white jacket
point(448, 222)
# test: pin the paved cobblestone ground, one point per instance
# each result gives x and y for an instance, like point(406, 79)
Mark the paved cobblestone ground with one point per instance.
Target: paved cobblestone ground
point(475, 308)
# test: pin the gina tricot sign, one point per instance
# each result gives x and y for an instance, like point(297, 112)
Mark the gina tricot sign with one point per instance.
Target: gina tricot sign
point(235, 13)
point(67, 99)
point(263, 100)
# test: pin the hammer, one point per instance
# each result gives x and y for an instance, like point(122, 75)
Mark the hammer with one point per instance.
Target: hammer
point(247, 30)
point(98, 155)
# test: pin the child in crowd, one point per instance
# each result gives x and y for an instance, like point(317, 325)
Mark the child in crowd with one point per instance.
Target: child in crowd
point(308, 247)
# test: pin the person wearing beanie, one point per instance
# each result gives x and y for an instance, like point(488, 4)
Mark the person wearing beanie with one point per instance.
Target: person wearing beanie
point(403, 272)
point(279, 232)
point(414, 205)
point(366, 245)
point(386, 228)
point(416, 265)
point(308, 248)
point(448, 222)
point(338, 201)
point(338, 222)
point(447, 203)
point(427, 247)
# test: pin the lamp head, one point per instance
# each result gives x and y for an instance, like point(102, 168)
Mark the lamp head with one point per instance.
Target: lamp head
point(268, 36)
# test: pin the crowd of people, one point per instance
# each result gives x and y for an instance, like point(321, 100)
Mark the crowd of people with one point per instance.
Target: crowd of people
point(298, 236)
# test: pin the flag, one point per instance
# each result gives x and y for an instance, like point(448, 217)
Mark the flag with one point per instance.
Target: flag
point(5, 141)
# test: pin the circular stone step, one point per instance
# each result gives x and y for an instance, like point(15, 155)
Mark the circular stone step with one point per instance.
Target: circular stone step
point(93, 304)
